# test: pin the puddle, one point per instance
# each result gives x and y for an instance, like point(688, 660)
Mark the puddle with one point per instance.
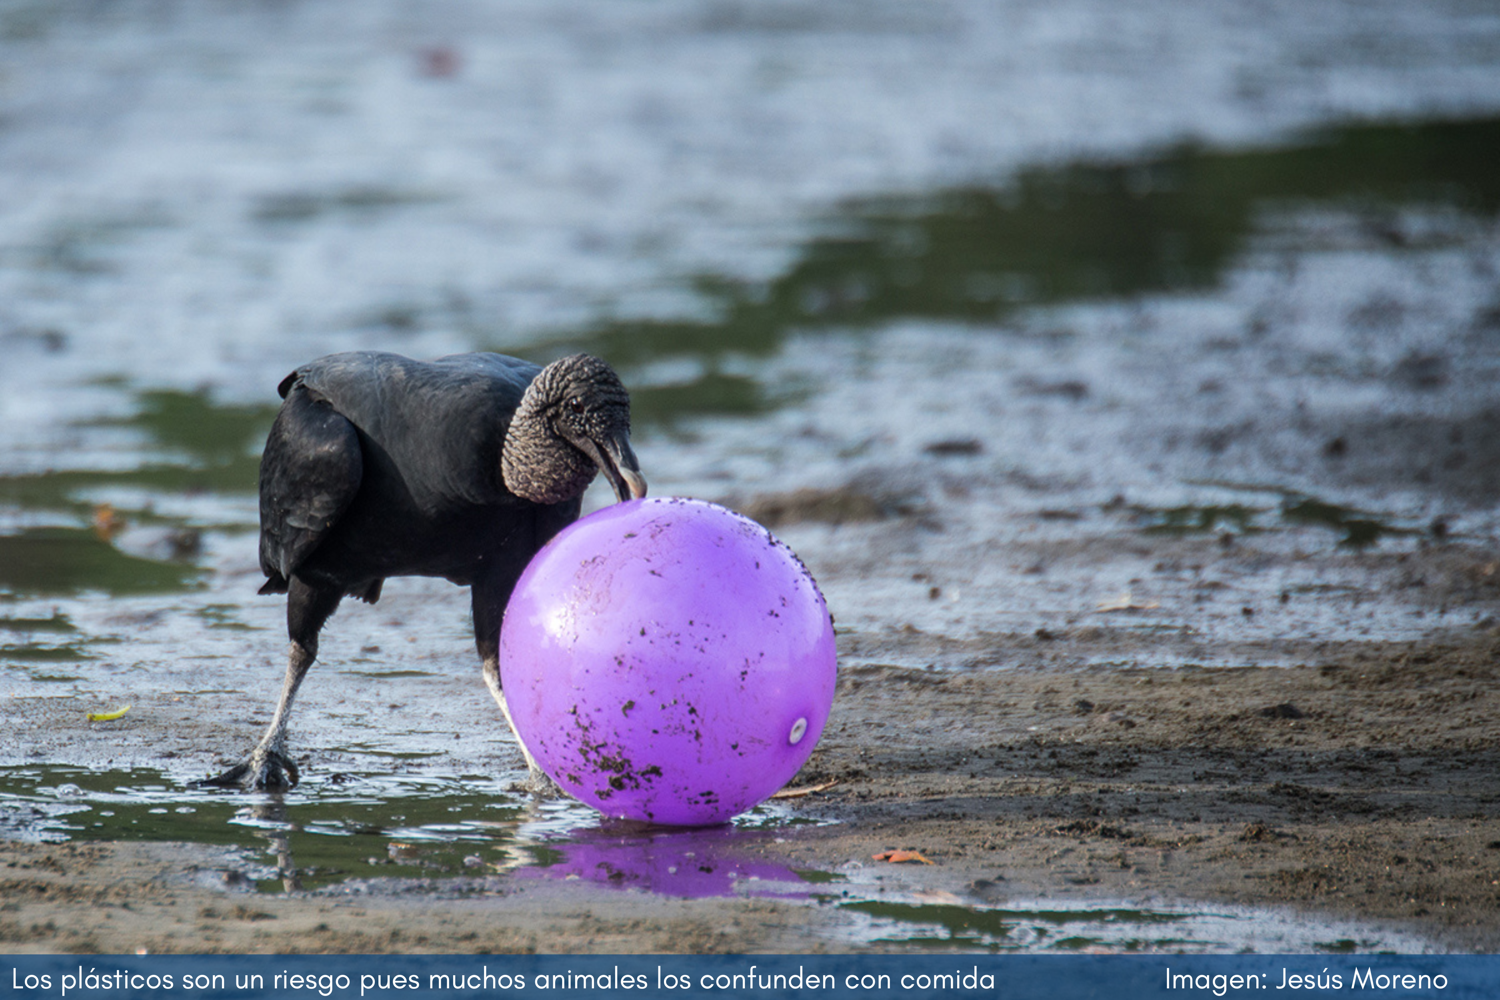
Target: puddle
point(357, 827)
point(348, 827)
point(301, 207)
point(53, 639)
point(223, 437)
point(54, 623)
point(70, 560)
point(224, 616)
point(1356, 528)
point(189, 443)
point(368, 829)
point(39, 653)
point(1191, 518)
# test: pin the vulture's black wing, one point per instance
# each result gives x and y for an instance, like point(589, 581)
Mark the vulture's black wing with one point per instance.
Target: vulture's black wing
point(309, 473)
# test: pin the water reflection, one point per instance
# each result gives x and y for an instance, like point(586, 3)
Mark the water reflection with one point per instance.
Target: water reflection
point(688, 864)
point(363, 827)
point(346, 827)
point(269, 819)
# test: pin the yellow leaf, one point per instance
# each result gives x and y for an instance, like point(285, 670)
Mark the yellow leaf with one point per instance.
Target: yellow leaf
point(108, 716)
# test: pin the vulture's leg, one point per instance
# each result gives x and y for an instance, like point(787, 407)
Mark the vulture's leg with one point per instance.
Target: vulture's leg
point(490, 597)
point(269, 766)
point(492, 593)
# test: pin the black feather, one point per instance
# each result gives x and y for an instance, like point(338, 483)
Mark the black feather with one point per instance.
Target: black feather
point(378, 465)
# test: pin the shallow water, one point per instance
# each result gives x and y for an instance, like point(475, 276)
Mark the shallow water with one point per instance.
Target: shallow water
point(469, 837)
point(344, 831)
point(1015, 285)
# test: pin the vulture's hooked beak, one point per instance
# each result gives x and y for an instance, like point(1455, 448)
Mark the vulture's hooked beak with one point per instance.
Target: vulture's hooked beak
point(617, 461)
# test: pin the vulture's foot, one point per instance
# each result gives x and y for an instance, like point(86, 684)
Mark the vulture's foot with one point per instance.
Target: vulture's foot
point(264, 770)
point(540, 785)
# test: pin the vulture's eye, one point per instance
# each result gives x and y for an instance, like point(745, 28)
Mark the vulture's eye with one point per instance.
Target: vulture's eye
point(575, 404)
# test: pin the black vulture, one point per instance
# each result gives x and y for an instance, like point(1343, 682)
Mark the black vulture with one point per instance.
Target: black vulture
point(379, 466)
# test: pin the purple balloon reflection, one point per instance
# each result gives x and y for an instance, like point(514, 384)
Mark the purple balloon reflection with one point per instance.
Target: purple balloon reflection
point(695, 864)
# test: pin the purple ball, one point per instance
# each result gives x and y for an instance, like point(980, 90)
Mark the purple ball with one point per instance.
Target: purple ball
point(668, 660)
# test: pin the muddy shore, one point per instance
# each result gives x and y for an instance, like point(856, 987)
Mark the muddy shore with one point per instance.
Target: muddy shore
point(1356, 784)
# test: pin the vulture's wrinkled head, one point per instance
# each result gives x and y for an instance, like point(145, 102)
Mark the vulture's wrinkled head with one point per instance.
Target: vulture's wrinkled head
point(573, 422)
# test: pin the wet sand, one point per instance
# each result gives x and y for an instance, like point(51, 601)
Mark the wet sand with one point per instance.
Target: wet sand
point(1357, 783)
